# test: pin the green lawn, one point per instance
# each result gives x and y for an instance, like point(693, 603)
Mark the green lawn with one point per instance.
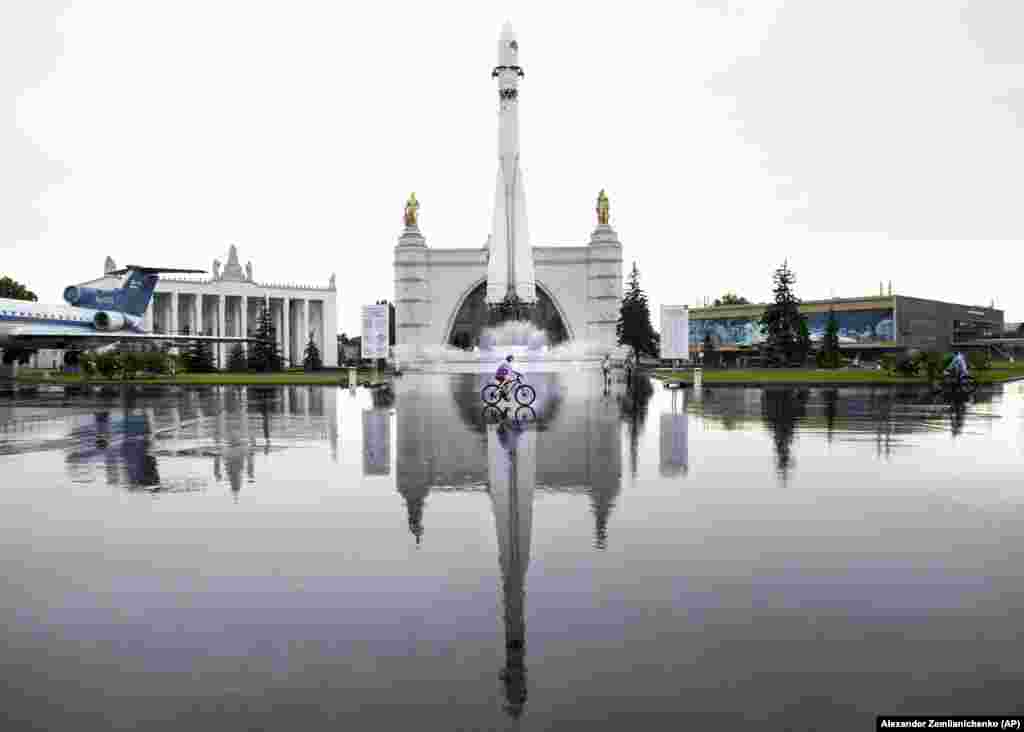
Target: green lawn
point(292, 378)
point(999, 373)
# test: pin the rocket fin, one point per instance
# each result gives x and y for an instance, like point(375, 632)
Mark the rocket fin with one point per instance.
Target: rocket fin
point(497, 264)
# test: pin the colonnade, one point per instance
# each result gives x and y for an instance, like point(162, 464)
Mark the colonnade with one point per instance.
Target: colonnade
point(295, 320)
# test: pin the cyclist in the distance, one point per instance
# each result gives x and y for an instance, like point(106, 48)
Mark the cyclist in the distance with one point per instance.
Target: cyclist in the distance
point(501, 375)
point(958, 367)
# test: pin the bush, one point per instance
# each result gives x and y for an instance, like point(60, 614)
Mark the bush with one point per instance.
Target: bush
point(933, 364)
point(131, 363)
point(888, 362)
point(108, 364)
point(979, 360)
point(908, 364)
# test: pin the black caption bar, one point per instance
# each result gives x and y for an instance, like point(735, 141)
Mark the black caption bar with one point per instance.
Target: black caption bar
point(887, 724)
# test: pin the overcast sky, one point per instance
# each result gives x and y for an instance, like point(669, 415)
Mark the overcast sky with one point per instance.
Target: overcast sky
point(863, 140)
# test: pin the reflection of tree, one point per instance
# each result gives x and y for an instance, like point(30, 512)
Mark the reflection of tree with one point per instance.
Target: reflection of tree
point(782, 409)
point(831, 397)
point(633, 409)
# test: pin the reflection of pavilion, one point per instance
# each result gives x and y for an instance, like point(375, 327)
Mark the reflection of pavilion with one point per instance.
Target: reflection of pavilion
point(238, 421)
point(441, 448)
point(442, 444)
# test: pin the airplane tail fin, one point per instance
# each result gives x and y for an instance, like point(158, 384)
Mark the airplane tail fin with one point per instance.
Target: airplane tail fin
point(137, 290)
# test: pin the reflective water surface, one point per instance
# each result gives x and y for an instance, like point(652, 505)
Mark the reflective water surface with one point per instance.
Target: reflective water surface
point(304, 557)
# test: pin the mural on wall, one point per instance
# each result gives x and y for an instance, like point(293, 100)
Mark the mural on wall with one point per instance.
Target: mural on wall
point(858, 326)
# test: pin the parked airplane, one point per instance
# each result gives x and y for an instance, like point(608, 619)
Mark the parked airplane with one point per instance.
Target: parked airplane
point(92, 317)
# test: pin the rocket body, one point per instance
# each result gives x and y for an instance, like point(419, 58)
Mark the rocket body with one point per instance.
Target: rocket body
point(510, 267)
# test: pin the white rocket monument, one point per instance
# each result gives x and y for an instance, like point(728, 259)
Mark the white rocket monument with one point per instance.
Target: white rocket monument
point(510, 266)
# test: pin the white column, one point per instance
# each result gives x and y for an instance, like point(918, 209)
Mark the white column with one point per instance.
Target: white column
point(197, 313)
point(305, 325)
point(286, 317)
point(147, 318)
point(174, 312)
point(245, 322)
point(221, 328)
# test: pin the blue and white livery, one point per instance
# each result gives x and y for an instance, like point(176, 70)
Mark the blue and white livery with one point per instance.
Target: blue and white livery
point(91, 317)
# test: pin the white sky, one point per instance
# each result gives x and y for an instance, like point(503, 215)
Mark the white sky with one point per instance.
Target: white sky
point(865, 141)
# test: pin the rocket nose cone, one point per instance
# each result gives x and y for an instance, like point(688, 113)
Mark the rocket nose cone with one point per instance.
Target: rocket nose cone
point(507, 34)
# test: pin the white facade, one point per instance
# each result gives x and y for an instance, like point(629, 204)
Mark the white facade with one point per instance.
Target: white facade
point(229, 304)
point(583, 282)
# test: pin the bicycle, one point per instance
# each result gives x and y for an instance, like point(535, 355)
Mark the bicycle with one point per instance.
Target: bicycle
point(523, 393)
point(524, 414)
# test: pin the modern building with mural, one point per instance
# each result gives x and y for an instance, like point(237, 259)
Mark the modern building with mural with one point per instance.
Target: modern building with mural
point(876, 323)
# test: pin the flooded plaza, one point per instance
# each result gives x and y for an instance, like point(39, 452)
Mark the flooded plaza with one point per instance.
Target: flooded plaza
point(312, 557)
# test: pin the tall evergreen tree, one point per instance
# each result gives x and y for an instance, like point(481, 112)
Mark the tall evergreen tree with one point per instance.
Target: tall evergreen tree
point(311, 361)
point(829, 356)
point(264, 354)
point(710, 357)
point(634, 327)
point(199, 358)
point(787, 337)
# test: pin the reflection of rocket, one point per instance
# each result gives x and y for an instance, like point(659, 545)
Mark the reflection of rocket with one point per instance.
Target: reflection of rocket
point(512, 468)
point(510, 267)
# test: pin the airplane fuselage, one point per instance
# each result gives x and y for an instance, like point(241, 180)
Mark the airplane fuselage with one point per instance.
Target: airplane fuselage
point(68, 323)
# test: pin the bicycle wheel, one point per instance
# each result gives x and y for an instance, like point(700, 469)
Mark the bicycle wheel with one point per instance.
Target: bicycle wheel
point(525, 414)
point(493, 415)
point(490, 394)
point(525, 394)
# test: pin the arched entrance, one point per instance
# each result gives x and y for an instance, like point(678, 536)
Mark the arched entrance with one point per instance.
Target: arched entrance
point(474, 315)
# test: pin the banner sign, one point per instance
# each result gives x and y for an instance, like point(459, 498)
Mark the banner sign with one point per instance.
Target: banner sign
point(375, 331)
point(675, 332)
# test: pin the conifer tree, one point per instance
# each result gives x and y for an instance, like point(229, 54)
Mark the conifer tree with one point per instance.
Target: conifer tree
point(634, 327)
point(199, 358)
point(829, 356)
point(264, 354)
point(311, 361)
point(785, 327)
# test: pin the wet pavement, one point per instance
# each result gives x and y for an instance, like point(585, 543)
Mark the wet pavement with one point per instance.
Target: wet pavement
point(263, 557)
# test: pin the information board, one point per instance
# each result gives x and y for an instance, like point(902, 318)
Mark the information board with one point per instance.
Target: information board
point(675, 332)
point(375, 331)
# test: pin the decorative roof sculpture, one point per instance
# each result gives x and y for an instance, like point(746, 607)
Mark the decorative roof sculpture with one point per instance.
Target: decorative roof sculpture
point(233, 270)
point(411, 207)
point(603, 209)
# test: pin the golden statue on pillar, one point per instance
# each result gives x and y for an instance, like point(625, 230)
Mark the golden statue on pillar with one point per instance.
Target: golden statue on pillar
point(602, 208)
point(410, 210)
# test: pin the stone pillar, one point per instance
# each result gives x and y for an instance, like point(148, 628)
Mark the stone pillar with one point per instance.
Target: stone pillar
point(244, 323)
point(286, 317)
point(221, 328)
point(412, 291)
point(174, 312)
point(331, 330)
point(305, 326)
point(604, 287)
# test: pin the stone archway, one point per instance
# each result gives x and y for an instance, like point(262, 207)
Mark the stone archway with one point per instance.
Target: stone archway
point(472, 315)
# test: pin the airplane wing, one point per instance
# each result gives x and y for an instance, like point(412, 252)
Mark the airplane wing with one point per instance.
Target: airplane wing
point(29, 333)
